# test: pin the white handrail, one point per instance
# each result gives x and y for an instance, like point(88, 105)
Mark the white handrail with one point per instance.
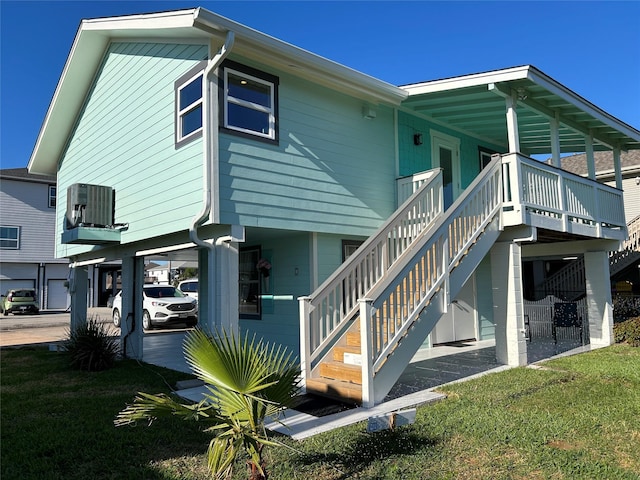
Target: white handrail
point(326, 310)
point(397, 302)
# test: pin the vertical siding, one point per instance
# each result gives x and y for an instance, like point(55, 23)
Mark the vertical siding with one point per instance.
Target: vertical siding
point(333, 170)
point(124, 138)
point(26, 205)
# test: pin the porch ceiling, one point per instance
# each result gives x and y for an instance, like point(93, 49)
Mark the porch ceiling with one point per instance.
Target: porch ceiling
point(476, 104)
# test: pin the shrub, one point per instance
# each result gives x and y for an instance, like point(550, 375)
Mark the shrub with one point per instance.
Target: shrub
point(628, 331)
point(91, 347)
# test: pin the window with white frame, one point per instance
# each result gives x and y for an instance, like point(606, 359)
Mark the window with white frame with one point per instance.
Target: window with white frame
point(189, 107)
point(52, 196)
point(9, 238)
point(249, 102)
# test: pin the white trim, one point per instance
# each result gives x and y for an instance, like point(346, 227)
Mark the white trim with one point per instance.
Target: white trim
point(452, 143)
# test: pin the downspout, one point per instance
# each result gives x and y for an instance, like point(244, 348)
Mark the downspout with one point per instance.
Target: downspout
point(210, 141)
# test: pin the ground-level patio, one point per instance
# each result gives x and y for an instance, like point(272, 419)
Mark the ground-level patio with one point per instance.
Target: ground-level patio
point(429, 369)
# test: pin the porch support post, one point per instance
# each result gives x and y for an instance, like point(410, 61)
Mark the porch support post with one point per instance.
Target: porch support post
point(591, 162)
point(131, 332)
point(617, 168)
point(78, 288)
point(554, 124)
point(599, 304)
point(218, 287)
point(512, 122)
point(508, 309)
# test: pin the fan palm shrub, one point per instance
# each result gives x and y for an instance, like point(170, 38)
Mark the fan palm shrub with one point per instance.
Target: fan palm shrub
point(92, 346)
point(247, 381)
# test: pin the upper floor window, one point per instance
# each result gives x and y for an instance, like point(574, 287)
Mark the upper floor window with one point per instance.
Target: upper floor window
point(9, 238)
point(249, 102)
point(484, 155)
point(189, 105)
point(52, 196)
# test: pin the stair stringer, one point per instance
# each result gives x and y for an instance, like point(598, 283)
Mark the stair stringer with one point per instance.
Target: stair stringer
point(389, 373)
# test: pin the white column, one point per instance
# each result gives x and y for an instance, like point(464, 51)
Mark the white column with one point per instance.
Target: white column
point(131, 331)
point(599, 304)
point(218, 286)
point(554, 124)
point(591, 162)
point(617, 168)
point(512, 123)
point(508, 310)
point(78, 288)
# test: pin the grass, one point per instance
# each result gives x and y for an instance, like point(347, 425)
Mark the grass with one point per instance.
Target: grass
point(578, 418)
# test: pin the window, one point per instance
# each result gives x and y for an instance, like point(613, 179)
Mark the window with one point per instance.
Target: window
point(189, 105)
point(249, 102)
point(249, 286)
point(485, 156)
point(52, 196)
point(9, 238)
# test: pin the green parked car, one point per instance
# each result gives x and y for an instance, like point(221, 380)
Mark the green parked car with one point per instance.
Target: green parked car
point(19, 300)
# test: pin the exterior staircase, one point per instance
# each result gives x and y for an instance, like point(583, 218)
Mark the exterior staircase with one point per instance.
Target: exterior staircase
point(365, 323)
point(571, 277)
point(361, 327)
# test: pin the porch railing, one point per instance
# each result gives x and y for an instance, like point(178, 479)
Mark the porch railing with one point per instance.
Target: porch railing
point(395, 305)
point(335, 302)
point(542, 195)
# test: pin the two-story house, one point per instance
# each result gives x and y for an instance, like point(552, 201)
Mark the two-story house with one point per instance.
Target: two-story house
point(27, 240)
point(346, 218)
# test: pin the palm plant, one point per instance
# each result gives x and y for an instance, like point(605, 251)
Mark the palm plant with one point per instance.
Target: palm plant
point(247, 381)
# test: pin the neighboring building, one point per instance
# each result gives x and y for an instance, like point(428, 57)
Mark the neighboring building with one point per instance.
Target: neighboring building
point(604, 172)
point(27, 237)
point(407, 210)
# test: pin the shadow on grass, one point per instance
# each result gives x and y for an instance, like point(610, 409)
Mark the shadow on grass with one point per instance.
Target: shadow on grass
point(368, 448)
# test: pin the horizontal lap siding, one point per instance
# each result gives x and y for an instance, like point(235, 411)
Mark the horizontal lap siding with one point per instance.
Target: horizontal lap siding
point(26, 205)
point(333, 171)
point(124, 138)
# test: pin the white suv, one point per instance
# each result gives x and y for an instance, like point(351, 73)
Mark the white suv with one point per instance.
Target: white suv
point(162, 305)
point(189, 287)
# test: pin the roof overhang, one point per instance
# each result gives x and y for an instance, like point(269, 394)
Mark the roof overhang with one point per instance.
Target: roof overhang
point(194, 25)
point(475, 104)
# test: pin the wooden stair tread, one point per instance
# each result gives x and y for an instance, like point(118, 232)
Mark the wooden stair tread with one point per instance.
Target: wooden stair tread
point(340, 350)
point(334, 389)
point(341, 371)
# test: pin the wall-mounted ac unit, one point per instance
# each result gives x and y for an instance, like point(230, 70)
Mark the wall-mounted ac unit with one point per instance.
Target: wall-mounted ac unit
point(89, 205)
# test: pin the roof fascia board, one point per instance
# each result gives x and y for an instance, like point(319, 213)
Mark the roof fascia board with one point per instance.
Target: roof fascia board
point(539, 78)
point(254, 44)
point(477, 79)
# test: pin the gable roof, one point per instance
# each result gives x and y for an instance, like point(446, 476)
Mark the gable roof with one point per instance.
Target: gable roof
point(476, 103)
point(196, 25)
point(23, 174)
point(629, 163)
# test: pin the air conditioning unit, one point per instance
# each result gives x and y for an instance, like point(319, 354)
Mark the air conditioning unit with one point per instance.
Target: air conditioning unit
point(89, 205)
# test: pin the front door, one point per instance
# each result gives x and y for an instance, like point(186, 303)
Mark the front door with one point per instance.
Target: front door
point(445, 153)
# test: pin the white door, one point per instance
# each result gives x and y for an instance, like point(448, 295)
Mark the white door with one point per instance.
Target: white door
point(459, 323)
point(445, 153)
point(57, 295)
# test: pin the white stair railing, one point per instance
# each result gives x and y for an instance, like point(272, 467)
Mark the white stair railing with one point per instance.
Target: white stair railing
point(394, 305)
point(326, 311)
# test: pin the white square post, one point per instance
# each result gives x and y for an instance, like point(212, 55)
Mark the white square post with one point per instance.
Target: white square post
point(599, 304)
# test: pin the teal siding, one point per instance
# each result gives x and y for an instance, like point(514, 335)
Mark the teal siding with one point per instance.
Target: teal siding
point(333, 170)
point(484, 299)
point(124, 138)
point(417, 158)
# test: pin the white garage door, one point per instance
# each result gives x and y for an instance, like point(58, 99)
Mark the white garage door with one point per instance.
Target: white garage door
point(9, 284)
point(56, 295)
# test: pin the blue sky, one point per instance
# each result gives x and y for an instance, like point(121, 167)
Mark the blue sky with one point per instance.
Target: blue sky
point(591, 47)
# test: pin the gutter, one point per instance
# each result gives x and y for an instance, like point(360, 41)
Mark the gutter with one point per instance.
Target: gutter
point(210, 142)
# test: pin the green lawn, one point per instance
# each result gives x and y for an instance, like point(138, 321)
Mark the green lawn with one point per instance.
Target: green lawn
point(577, 418)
